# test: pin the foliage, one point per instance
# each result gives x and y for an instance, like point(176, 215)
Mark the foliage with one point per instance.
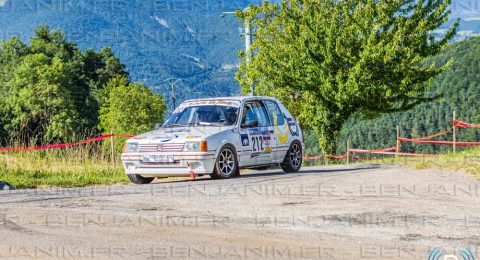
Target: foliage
point(130, 108)
point(52, 91)
point(38, 100)
point(459, 87)
point(330, 59)
point(71, 167)
point(466, 161)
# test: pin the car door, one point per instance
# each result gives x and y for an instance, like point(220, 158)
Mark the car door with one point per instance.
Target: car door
point(255, 135)
point(281, 131)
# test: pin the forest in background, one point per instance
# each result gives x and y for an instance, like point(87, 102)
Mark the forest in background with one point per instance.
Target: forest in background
point(51, 91)
point(460, 89)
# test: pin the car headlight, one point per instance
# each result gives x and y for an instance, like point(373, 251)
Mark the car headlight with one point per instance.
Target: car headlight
point(131, 148)
point(195, 146)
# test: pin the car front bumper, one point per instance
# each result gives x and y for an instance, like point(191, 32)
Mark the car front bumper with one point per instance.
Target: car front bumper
point(184, 164)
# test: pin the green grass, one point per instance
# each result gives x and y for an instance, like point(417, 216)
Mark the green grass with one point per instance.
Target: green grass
point(89, 165)
point(73, 167)
point(467, 161)
point(29, 179)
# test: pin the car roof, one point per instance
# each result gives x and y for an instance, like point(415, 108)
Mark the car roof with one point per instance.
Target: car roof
point(233, 98)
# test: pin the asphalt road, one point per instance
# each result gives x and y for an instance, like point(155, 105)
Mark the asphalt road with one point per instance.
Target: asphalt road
point(338, 212)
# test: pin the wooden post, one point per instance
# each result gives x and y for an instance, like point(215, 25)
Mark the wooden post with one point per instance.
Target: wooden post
point(348, 151)
point(112, 147)
point(398, 144)
point(454, 133)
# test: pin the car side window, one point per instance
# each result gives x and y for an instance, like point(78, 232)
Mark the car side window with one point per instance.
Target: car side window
point(254, 115)
point(275, 113)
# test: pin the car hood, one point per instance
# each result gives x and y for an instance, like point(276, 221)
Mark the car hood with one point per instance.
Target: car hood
point(179, 134)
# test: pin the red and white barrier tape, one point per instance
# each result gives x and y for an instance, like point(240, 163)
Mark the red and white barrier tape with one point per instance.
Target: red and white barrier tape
point(373, 150)
point(430, 136)
point(386, 151)
point(58, 146)
point(460, 124)
point(464, 144)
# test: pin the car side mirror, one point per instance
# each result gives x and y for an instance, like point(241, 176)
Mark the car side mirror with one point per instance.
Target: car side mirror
point(158, 126)
point(253, 123)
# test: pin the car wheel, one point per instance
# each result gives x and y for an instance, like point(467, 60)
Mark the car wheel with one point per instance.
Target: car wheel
point(138, 179)
point(293, 159)
point(226, 165)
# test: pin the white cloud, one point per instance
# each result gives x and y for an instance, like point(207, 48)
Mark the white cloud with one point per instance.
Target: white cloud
point(2, 2)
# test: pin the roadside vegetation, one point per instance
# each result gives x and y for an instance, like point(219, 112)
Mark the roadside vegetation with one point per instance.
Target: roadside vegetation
point(53, 92)
point(465, 161)
point(459, 86)
point(70, 167)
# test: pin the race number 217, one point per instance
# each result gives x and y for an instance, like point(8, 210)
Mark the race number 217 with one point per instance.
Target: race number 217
point(257, 143)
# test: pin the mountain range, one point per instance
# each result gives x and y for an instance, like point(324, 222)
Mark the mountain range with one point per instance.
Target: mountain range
point(158, 40)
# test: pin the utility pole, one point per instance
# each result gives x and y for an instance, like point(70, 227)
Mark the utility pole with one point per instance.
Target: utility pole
point(170, 88)
point(174, 101)
point(248, 42)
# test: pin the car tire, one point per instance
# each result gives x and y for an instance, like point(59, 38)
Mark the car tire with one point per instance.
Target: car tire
point(226, 165)
point(293, 158)
point(138, 179)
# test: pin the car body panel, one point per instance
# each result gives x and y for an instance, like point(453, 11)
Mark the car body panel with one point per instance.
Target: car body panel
point(255, 146)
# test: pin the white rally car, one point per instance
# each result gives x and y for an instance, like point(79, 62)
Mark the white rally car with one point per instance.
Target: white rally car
point(208, 137)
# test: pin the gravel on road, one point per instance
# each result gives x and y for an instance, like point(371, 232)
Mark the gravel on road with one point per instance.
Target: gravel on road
point(330, 212)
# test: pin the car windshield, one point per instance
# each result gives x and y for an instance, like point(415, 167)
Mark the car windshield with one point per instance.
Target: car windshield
point(213, 115)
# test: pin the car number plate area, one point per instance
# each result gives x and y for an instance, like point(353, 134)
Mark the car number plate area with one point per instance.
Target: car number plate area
point(158, 158)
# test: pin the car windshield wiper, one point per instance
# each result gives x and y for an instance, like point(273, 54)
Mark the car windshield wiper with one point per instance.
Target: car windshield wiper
point(210, 123)
point(175, 125)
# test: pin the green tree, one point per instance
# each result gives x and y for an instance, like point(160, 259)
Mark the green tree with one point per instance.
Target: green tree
point(93, 71)
point(331, 59)
point(459, 87)
point(39, 101)
point(54, 76)
point(12, 52)
point(130, 108)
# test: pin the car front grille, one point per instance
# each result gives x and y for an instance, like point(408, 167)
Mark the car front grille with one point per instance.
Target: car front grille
point(148, 148)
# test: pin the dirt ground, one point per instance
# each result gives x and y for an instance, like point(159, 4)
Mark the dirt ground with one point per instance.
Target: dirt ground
point(337, 212)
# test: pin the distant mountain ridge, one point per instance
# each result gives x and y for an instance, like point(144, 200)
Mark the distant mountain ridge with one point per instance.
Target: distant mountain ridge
point(156, 39)
point(468, 11)
point(162, 39)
